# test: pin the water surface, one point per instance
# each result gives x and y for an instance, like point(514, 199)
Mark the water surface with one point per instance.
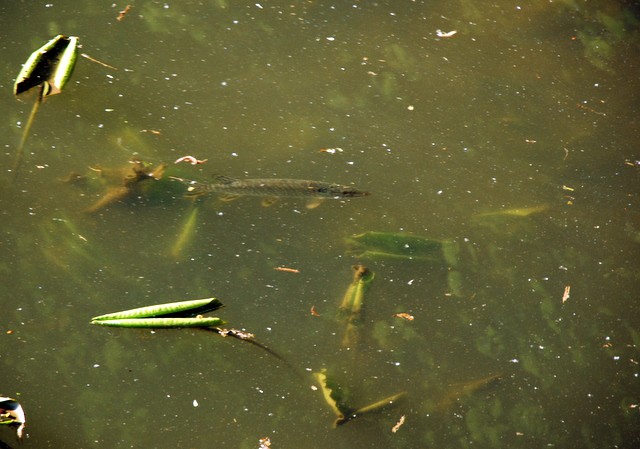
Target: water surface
point(525, 106)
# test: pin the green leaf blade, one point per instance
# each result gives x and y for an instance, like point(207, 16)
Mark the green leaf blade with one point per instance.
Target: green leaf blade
point(185, 308)
point(161, 323)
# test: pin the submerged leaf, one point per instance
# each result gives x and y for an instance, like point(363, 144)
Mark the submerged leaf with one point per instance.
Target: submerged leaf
point(330, 396)
point(376, 406)
point(352, 302)
point(343, 413)
point(375, 245)
point(186, 234)
point(353, 297)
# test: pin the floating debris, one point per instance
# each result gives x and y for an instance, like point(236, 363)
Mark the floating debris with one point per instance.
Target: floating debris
point(241, 335)
point(155, 132)
point(399, 424)
point(404, 316)
point(331, 150)
point(287, 269)
point(12, 414)
point(123, 13)
point(441, 33)
point(190, 159)
point(103, 64)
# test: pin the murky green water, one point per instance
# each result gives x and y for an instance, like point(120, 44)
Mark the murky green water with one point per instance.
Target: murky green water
point(526, 106)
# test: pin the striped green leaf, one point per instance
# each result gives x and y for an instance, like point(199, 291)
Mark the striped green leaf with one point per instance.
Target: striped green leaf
point(181, 308)
point(161, 323)
point(50, 66)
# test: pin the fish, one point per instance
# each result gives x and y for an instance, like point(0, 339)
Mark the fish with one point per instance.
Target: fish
point(458, 391)
point(274, 188)
point(515, 212)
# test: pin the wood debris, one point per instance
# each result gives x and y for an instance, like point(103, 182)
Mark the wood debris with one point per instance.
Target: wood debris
point(123, 13)
point(398, 424)
point(190, 159)
point(404, 316)
point(331, 150)
point(287, 269)
point(241, 335)
point(441, 33)
point(103, 64)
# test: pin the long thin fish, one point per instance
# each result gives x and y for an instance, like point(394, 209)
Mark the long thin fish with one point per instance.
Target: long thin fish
point(293, 188)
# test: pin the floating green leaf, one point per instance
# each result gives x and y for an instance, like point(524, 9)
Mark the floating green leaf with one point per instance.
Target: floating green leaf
point(48, 68)
point(160, 323)
point(172, 309)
